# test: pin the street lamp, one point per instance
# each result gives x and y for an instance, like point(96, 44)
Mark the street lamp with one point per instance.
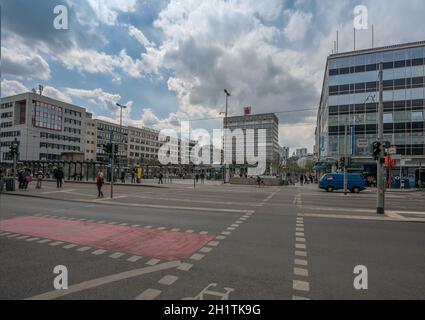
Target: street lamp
point(119, 162)
point(227, 93)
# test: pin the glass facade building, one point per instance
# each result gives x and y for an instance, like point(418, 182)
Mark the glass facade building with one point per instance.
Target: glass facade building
point(350, 98)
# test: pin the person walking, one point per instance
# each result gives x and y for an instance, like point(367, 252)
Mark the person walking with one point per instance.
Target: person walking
point(160, 178)
point(202, 177)
point(59, 177)
point(301, 179)
point(21, 179)
point(133, 177)
point(99, 183)
point(197, 177)
point(123, 176)
point(27, 178)
point(39, 177)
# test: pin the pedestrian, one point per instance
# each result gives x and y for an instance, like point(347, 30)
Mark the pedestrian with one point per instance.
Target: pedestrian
point(202, 177)
point(59, 177)
point(260, 182)
point(197, 177)
point(27, 178)
point(21, 179)
point(39, 177)
point(123, 176)
point(160, 178)
point(301, 179)
point(133, 177)
point(99, 183)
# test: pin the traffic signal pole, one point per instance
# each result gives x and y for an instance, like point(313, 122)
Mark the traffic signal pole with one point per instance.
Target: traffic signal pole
point(345, 161)
point(380, 200)
point(111, 157)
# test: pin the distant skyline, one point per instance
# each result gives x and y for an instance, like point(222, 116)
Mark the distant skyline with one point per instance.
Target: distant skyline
point(171, 60)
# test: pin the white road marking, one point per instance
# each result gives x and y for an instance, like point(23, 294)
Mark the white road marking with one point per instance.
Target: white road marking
point(124, 224)
point(168, 280)
point(116, 255)
point(153, 262)
point(175, 229)
point(213, 243)
point(44, 241)
point(22, 237)
point(203, 232)
point(197, 256)
point(205, 249)
point(134, 258)
point(220, 237)
point(300, 253)
point(190, 231)
point(301, 262)
point(161, 228)
point(235, 225)
point(231, 229)
point(83, 249)
point(98, 252)
point(32, 239)
point(4, 234)
point(299, 229)
point(299, 234)
point(301, 272)
point(56, 243)
point(61, 191)
point(299, 298)
point(101, 221)
point(300, 239)
point(148, 227)
point(300, 246)
point(70, 246)
point(113, 223)
point(185, 267)
point(226, 233)
point(54, 294)
point(148, 294)
point(353, 217)
point(136, 225)
point(300, 285)
point(13, 235)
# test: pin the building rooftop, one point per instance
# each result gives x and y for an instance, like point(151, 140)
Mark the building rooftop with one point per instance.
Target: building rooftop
point(378, 49)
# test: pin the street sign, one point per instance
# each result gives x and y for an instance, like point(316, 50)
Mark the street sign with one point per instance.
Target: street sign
point(362, 143)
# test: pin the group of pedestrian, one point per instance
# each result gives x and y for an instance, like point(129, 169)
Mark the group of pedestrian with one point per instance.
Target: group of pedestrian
point(24, 178)
point(200, 176)
point(304, 179)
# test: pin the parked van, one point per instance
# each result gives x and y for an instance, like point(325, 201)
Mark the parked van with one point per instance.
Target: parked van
point(335, 181)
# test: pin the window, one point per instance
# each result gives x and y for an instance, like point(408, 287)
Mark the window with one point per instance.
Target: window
point(417, 115)
point(47, 116)
point(388, 117)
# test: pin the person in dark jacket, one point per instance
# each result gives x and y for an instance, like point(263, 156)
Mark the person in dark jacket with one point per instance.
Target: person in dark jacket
point(59, 177)
point(99, 183)
point(21, 179)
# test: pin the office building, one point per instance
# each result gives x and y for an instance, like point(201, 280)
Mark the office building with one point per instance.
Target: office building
point(44, 127)
point(350, 98)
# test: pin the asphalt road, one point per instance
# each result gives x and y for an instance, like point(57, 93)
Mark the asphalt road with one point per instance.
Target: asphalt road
point(211, 242)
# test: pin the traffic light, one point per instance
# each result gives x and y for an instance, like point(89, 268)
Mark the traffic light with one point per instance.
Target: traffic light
point(14, 148)
point(107, 148)
point(376, 150)
point(115, 149)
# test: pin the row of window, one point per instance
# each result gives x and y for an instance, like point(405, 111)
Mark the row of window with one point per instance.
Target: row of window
point(105, 127)
point(8, 134)
point(132, 147)
point(73, 113)
point(6, 124)
point(72, 130)
point(373, 128)
point(6, 105)
point(148, 156)
point(389, 106)
point(59, 137)
point(59, 146)
point(373, 86)
point(6, 115)
point(73, 121)
point(375, 66)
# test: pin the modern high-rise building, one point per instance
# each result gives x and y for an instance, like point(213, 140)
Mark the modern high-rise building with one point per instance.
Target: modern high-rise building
point(350, 98)
point(143, 145)
point(266, 121)
point(107, 131)
point(90, 139)
point(44, 127)
point(301, 152)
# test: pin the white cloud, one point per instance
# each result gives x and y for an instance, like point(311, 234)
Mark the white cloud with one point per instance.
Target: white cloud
point(139, 36)
point(56, 94)
point(12, 87)
point(298, 25)
point(101, 98)
point(107, 11)
point(23, 62)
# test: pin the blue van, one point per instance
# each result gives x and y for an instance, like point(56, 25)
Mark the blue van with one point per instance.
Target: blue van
point(335, 181)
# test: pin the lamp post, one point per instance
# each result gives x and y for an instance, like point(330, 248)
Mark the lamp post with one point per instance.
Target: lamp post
point(119, 160)
point(227, 93)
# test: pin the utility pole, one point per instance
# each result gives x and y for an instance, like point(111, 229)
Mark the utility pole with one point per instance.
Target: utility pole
point(224, 135)
point(345, 159)
point(120, 135)
point(380, 200)
point(111, 161)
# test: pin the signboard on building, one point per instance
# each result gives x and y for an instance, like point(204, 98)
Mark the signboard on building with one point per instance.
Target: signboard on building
point(247, 111)
point(362, 143)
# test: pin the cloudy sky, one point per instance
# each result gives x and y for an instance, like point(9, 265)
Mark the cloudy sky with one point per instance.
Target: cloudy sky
point(170, 60)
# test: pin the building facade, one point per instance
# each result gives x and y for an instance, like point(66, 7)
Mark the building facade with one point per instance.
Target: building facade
point(268, 122)
point(119, 136)
point(350, 98)
point(90, 149)
point(143, 145)
point(44, 127)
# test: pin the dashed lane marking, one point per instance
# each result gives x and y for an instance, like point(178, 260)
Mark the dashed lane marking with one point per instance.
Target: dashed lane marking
point(301, 272)
point(197, 256)
point(300, 285)
point(168, 280)
point(153, 262)
point(149, 294)
point(98, 252)
point(105, 280)
point(83, 249)
point(116, 255)
point(134, 258)
point(185, 267)
point(70, 246)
